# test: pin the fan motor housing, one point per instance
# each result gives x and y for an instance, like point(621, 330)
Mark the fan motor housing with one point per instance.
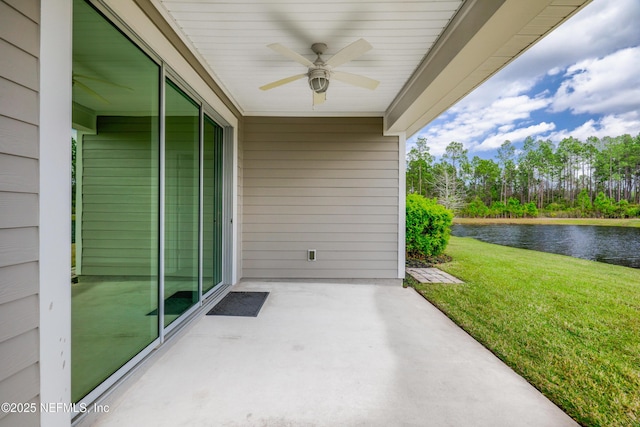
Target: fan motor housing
point(319, 80)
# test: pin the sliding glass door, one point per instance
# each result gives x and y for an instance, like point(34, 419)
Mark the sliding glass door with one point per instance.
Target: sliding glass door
point(148, 214)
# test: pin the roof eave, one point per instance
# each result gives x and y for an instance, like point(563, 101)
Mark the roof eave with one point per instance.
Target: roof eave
point(483, 37)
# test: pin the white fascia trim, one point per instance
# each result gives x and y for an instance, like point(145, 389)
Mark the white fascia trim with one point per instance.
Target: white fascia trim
point(314, 114)
point(55, 208)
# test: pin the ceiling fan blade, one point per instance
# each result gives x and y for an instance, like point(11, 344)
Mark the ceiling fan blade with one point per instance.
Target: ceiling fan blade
point(90, 91)
point(282, 81)
point(283, 50)
point(107, 82)
point(319, 98)
point(355, 79)
point(349, 53)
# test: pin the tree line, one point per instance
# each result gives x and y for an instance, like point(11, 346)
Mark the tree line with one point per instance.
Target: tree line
point(599, 177)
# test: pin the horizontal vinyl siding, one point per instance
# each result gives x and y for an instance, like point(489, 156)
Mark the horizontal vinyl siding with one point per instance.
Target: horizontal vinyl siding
point(180, 226)
point(329, 184)
point(119, 212)
point(19, 175)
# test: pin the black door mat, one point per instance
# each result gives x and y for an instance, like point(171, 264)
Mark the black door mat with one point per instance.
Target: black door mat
point(247, 304)
point(178, 303)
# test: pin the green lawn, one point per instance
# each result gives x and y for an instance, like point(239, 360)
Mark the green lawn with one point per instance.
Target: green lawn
point(570, 327)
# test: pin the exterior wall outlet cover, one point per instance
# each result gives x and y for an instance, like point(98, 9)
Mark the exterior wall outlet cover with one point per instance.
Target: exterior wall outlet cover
point(311, 255)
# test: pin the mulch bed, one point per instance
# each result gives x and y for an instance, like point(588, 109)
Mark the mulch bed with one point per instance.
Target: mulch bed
point(426, 262)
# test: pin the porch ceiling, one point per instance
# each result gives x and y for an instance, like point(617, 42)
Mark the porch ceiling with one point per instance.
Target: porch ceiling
point(426, 54)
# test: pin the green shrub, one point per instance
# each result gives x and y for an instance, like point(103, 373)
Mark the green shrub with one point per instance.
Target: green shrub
point(633, 211)
point(497, 209)
point(428, 226)
point(621, 209)
point(476, 209)
point(604, 206)
point(514, 208)
point(554, 207)
point(584, 203)
point(531, 210)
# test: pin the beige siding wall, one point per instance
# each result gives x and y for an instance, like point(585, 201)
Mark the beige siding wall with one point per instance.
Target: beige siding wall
point(119, 212)
point(329, 184)
point(19, 142)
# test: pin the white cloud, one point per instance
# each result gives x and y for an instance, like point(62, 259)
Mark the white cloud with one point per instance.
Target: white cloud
point(506, 128)
point(598, 53)
point(600, 86)
point(610, 125)
point(554, 71)
point(495, 140)
point(472, 125)
point(602, 27)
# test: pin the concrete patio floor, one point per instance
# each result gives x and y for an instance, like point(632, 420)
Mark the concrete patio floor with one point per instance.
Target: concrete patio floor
point(331, 355)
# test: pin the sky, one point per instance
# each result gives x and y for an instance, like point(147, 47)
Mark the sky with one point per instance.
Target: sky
point(581, 80)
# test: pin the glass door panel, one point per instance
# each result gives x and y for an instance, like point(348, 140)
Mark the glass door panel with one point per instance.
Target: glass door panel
point(212, 206)
point(182, 135)
point(116, 101)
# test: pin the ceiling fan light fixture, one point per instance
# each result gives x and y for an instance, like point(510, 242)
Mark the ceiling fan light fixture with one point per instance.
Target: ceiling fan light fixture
point(320, 72)
point(319, 80)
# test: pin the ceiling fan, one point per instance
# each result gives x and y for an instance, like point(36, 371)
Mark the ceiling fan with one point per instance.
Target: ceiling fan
point(320, 72)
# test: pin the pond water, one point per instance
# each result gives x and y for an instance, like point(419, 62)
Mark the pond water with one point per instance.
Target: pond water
point(613, 245)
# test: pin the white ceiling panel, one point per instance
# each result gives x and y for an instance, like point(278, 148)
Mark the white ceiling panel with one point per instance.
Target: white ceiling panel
point(232, 38)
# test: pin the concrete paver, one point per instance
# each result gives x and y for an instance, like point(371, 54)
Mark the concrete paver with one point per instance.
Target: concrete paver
point(331, 355)
point(432, 275)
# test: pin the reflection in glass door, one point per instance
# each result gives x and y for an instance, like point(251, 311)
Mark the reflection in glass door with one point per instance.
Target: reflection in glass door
point(182, 195)
point(137, 209)
point(212, 206)
point(116, 109)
